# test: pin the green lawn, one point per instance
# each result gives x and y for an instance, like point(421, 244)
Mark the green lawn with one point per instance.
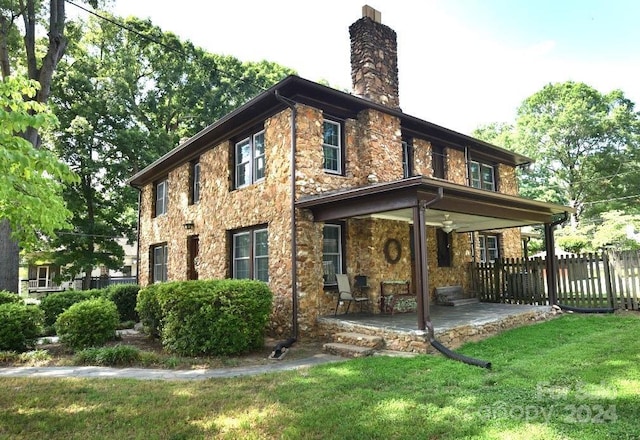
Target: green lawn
point(576, 377)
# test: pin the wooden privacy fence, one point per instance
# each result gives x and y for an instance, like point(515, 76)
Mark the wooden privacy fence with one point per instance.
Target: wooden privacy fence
point(610, 279)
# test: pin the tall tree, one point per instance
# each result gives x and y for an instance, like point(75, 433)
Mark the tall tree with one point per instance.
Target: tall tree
point(31, 180)
point(128, 94)
point(22, 48)
point(585, 146)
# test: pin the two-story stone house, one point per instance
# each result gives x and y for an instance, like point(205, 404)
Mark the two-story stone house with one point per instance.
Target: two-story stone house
point(305, 181)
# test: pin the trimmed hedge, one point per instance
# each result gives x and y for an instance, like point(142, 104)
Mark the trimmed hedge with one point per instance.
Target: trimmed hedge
point(7, 297)
point(124, 296)
point(88, 323)
point(218, 317)
point(20, 326)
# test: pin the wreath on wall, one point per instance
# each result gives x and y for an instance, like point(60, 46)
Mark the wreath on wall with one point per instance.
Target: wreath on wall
point(392, 250)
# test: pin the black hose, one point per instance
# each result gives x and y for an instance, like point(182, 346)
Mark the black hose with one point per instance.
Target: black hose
point(586, 310)
point(459, 357)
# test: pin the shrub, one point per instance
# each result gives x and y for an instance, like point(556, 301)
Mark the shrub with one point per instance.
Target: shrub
point(7, 297)
point(124, 296)
point(118, 355)
point(55, 303)
point(20, 326)
point(148, 308)
point(88, 323)
point(219, 317)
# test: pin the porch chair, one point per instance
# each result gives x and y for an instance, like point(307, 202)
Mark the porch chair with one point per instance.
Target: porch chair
point(344, 294)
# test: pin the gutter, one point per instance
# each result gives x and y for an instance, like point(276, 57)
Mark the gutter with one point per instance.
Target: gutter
point(294, 243)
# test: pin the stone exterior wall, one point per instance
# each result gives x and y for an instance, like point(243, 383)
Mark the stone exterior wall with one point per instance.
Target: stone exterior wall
point(372, 146)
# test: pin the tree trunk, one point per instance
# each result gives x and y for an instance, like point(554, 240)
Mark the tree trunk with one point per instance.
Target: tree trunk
point(9, 259)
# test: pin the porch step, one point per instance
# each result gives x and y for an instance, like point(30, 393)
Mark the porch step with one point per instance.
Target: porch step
point(347, 350)
point(395, 353)
point(462, 302)
point(359, 339)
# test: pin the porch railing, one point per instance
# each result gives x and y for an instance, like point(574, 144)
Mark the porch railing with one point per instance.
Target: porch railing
point(610, 279)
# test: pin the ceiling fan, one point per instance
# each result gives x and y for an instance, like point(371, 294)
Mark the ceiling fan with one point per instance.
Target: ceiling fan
point(447, 224)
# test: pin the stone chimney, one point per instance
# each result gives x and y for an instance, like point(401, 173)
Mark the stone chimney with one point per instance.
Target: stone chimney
point(374, 59)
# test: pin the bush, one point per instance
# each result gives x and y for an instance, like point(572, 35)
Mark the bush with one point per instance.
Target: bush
point(88, 323)
point(20, 326)
point(55, 303)
point(219, 317)
point(7, 297)
point(119, 355)
point(148, 308)
point(124, 296)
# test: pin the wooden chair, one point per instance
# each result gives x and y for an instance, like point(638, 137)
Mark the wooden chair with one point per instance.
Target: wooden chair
point(344, 294)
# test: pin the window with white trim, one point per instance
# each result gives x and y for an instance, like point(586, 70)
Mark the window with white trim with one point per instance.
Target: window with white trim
point(161, 197)
point(194, 190)
point(332, 256)
point(332, 147)
point(251, 254)
point(407, 158)
point(482, 175)
point(250, 160)
point(489, 248)
point(159, 256)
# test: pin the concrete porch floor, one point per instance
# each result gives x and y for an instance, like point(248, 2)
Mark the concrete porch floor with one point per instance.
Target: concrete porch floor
point(452, 325)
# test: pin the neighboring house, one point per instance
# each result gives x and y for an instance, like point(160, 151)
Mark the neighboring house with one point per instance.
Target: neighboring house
point(378, 194)
point(40, 276)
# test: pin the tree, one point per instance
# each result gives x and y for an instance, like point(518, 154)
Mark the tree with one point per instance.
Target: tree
point(31, 203)
point(22, 50)
point(128, 94)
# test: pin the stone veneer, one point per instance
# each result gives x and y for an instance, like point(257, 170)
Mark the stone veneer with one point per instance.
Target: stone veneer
point(372, 145)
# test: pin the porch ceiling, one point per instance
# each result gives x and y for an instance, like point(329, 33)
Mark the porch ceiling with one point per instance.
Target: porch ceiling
point(469, 209)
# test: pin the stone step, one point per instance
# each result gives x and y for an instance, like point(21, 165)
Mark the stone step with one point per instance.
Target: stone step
point(362, 340)
point(347, 350)
point(395, 353)
point(462, 302)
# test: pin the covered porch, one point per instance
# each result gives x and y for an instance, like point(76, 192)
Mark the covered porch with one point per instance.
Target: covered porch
point(423, 203)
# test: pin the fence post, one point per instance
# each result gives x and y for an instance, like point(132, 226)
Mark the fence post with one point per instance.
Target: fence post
point(607, 278)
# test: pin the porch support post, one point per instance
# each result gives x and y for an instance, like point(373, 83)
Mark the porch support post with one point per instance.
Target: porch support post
point(421, 268)
point(552, 273)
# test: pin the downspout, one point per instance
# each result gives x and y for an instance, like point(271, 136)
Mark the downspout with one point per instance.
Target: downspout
point(422, 279)
point(138, 236)
point(294, 244)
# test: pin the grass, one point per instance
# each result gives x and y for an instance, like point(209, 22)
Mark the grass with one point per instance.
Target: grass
point(575, 377)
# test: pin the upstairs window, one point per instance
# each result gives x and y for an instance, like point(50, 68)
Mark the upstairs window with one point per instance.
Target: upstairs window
point(482, 176)
point(437, 160)
point(407, 158)
point(489, 248)
point(250, 160)
point(194, 186)
point(251, 254)
point(332, 147)
point(161, 197)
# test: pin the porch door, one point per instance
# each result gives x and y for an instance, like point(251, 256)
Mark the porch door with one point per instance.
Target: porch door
point(193, 250)
point(43, 276)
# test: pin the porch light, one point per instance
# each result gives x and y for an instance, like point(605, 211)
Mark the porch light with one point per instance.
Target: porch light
point(188, 225)
point(447, 224)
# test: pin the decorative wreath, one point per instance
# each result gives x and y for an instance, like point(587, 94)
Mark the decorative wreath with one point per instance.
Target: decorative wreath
point(392, 251)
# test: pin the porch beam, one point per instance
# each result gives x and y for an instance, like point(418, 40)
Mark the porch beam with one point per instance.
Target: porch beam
point(419, 238)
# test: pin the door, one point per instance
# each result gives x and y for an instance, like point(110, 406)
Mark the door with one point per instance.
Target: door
point(43, 276)
point(193, 249)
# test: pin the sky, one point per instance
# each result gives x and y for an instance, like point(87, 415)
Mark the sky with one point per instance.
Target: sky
point(462, 63)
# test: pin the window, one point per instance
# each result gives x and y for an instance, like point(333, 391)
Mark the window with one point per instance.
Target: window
point(489, 250)
point(43, 276)
point(159, 263)
point(444, 248)
point(161, 197)
point(127, 271)
point(437, 160)
point(332, 147)
point(194, 184)
point(332, 256)
point(481, 176)
point(407, 159)
point(251, 254)
point(250, 160)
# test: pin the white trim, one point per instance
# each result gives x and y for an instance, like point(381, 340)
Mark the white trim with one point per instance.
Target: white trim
point(337, 147)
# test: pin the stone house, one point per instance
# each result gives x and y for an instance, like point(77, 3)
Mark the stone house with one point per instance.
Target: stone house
point(305, 181)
